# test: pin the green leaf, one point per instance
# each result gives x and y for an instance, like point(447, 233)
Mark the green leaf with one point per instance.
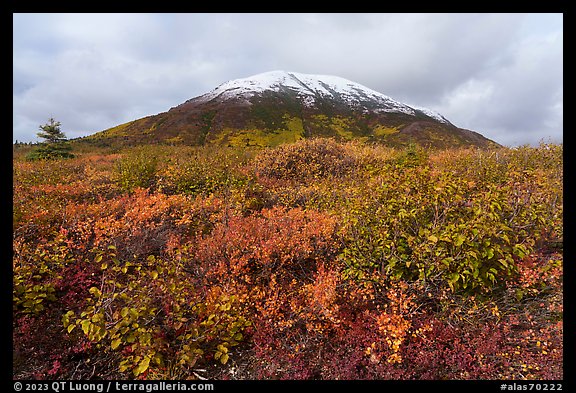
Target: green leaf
point(98, 258)
point(66, 318)
point(489, 253)
point(520, 250)
point(454, 277)
point(70, 328)
point(459, 240)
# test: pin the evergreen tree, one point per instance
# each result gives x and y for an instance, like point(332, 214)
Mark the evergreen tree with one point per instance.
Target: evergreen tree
point(55, 143)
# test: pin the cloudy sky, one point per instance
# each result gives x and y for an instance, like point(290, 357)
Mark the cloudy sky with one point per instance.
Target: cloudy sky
point(498, 74)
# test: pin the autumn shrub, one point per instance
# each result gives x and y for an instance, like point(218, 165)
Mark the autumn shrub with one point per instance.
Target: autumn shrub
point(143, 222)
point(283, 260)
point(469, 343)
point(276, 242)
point(52, 273)
point(47, 278)
point(495, 166)
point(40, 191)
point(156, 318)
point(411, 156)
point(305, 160)
point(35, 270)
point(419, 224)
point(473, 164)
point(280, 260)
point(43, 190)
point(538, 275)
point(545, 156)
point(371, 159)
point(137, 169)
point(202, 170)
point(362, 336)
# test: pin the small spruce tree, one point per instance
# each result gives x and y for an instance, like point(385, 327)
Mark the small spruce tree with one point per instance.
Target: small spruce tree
point(55, 143)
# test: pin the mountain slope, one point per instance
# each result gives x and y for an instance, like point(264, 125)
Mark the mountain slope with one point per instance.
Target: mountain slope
point(277, 107)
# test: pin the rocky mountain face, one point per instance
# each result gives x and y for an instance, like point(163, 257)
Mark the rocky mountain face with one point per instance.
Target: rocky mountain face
point(279, 107)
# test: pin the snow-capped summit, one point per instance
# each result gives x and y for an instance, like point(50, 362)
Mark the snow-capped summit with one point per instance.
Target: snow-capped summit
point(309, 88)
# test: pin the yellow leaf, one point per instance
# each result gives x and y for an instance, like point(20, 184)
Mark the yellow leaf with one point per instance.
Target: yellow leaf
point(95, 291)
point(459, 240)
point(224, 358)
point(154, 274)
point(71, 327)
point(143, 366)
point(86, 326)
point(115, 343)
point(123, 367)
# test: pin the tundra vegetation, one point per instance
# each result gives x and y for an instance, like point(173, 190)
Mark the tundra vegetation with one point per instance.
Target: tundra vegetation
point(316, 259)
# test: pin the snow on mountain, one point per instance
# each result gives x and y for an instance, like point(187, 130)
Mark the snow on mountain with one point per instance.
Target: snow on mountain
point(309, 88)
point(431, 113)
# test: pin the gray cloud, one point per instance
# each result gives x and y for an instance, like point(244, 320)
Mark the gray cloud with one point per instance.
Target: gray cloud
point(518, 102)
point(498, 74)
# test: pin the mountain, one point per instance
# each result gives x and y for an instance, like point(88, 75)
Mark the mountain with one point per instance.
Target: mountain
point(278, 106)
